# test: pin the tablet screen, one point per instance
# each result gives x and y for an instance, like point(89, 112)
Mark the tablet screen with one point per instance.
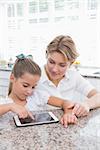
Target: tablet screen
point(42, 117)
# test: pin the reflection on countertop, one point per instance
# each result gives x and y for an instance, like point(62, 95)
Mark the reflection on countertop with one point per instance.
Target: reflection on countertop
point(84, 136)
point(89, 72)
point(5, 68)
point(84, 71)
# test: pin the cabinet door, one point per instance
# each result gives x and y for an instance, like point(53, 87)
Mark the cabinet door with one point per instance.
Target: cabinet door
point(4, 82)
point(3, 91)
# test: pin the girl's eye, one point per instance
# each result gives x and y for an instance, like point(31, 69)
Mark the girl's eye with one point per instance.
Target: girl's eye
point(25, 86)
point(33, 87)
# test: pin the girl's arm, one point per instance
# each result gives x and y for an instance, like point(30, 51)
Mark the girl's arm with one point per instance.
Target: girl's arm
point(4, 108)
point(68, 118)
point(21, 111)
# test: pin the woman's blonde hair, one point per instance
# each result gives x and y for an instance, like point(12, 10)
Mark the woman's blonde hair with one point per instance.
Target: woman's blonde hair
point(23, 66)
point(65, 45)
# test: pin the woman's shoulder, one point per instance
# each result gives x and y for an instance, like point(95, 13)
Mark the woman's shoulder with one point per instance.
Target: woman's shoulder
point(73, 72)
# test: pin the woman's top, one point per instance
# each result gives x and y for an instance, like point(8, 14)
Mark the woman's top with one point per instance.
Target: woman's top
point(72, 87)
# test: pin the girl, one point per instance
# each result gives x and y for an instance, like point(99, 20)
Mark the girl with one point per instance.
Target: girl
point(23, 80)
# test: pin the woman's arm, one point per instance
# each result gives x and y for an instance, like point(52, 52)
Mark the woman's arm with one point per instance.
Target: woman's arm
point(58, 102)
point(94, 101)
point(91, 102)
point(76, 108)
point(92, 93)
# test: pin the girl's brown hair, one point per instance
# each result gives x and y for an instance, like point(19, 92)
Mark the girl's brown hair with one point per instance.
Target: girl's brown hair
point(23, 66)
point(65, 45)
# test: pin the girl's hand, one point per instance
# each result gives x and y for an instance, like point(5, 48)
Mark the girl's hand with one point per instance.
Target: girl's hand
point(67, 105)
point(21, 111)
point(81, 109)
point(68, 118)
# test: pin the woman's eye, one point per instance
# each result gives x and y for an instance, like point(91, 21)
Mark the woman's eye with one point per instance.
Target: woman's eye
point(62, 65)
point(51, 62)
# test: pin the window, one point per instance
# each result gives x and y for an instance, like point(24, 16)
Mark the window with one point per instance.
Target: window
point(31, 21)
point(73, 4)
point(59, 4)
point(92, 4)
point(11, 10)
point(58, 19)
point(28, 26)
point(33, 7)
point(19, 9)
point(43, 5)
point(42, 20)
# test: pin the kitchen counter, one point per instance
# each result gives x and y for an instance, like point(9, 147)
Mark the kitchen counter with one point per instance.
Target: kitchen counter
point(89, 72)
point(84, 136)
point(84, 71)
point(5, 69)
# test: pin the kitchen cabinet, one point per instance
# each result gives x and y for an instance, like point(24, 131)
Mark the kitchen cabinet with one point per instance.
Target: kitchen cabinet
point(4, 82)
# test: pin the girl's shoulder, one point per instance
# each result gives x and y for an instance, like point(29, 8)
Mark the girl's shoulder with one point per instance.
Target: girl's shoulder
point(5, 100)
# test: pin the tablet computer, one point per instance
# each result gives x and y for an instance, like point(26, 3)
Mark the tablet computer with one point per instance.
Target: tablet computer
point(39, 118)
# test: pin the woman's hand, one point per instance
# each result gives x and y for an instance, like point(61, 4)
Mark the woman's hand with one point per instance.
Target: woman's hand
point(78, 109)
point(81, 110)
point(68, 118)
point(21, 111)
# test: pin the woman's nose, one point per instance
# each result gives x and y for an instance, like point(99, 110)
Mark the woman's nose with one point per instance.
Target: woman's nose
point(55, 68)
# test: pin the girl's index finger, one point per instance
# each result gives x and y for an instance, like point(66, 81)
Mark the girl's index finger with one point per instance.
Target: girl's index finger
point(31, 115)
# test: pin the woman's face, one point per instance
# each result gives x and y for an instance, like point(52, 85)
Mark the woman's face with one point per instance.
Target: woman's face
point(56, 66)
point(23, 86)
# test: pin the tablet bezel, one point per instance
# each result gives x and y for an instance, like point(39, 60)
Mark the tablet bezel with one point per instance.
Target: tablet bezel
point(18, 123)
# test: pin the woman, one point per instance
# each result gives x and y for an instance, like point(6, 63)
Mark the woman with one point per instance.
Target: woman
point(58, 80)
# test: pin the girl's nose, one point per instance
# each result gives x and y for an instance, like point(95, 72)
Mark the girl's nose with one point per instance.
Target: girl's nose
point(29, 91)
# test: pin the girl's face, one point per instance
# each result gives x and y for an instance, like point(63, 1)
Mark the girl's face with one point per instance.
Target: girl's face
point(56, 66)
point(23, 86)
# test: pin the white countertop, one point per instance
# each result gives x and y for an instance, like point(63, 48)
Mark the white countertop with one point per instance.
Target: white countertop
point(89, 72)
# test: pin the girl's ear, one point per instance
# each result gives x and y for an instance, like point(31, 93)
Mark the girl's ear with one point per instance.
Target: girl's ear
point(12, 77)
